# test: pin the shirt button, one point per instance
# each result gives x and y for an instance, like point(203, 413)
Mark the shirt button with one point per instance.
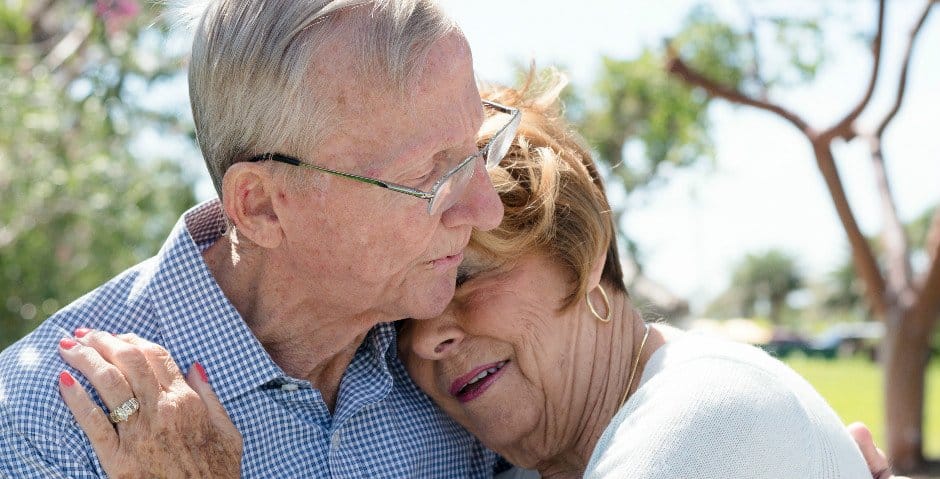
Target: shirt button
point(288, 387)
point(334, 443)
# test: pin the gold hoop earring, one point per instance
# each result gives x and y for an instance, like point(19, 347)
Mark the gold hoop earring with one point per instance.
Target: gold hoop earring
point(605, 319)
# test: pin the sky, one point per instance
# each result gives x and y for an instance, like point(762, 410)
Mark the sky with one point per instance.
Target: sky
point(764, 191)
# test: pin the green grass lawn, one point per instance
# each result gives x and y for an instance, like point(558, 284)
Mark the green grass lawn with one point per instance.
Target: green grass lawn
point(853, 388)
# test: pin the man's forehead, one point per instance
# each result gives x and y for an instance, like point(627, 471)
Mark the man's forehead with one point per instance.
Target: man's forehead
point(404, 128)
point(439, 114)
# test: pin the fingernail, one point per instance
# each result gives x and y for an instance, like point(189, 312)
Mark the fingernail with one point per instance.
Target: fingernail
point(81, 332)
point(202, 372)
point(66, 379)
point(67, 343)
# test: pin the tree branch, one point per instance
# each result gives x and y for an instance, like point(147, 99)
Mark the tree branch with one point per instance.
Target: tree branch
point(927, 307)
point(677, 67)
point(70, 44)
point(932, 242)
point(756, 74)
point(845, 128)
point(36, 14)
point(862, 256)
point(898, 271)
point(902, 82)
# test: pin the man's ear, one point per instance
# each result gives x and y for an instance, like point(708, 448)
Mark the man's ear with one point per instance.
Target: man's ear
point(248, 198)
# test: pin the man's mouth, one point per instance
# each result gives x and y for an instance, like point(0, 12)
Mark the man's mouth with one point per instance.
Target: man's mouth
point(449, 261)
point(471, 385)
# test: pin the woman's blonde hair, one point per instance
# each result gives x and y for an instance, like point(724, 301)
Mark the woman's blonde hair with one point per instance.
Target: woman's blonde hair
point(252, 77)
point(553, 195)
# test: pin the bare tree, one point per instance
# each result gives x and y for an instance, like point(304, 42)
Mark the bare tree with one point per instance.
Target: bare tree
point(908, 303)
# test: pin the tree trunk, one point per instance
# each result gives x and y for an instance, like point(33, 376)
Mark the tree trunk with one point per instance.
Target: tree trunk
point(909, 307)
point(776, 310)
point(905, 353)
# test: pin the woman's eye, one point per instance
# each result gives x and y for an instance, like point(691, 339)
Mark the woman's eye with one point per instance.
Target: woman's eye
point(462, 277)
point(464, 274)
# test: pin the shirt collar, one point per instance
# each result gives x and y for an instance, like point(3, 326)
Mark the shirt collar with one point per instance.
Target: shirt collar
point(198, 322)
point(384, 339)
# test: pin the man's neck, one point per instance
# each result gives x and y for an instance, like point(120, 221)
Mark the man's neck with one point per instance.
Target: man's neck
point(308, 341)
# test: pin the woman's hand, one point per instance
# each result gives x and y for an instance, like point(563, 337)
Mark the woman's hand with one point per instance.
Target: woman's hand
point(876, 459)
point(180, 428)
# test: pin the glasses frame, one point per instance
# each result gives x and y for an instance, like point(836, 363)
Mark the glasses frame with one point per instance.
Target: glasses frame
point(483, 152)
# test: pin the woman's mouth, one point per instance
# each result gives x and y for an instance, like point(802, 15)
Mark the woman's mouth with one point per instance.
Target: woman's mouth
point(471, 385)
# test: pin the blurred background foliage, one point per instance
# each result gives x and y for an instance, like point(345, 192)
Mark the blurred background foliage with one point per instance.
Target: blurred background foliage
point(92, 177)
point(85, 194)
point(78, 203)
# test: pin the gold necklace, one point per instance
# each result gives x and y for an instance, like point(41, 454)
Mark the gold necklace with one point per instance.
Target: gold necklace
point(635, 365)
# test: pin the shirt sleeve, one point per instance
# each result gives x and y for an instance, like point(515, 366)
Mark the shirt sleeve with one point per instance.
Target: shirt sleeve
point(716, 418)
point(21, 458)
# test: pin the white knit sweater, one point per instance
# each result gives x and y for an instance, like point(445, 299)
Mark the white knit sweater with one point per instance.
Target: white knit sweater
point(707, 408)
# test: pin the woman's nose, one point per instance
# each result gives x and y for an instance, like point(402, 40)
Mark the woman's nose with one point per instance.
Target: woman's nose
point(435, 339)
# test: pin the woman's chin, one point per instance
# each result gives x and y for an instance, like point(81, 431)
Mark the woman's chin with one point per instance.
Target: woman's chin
point(517, 453)
point(510, 431)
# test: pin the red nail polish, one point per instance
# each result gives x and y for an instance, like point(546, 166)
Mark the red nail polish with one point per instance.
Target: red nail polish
point(202, 372)
point(66, 379)
point(67, 343)
point(81, 332)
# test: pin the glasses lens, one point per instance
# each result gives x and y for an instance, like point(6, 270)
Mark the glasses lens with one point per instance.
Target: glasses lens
point(500, 144)
point(450, 189)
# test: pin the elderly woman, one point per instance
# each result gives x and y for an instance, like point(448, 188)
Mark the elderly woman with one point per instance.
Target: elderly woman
point(543, 356)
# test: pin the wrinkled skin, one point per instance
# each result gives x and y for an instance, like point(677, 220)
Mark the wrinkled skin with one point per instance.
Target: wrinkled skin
point(181, 429)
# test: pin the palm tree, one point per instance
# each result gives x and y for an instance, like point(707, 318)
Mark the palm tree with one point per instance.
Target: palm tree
point(765, 278)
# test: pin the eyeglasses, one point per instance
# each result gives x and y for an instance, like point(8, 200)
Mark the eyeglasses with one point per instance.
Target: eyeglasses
point(445, 191)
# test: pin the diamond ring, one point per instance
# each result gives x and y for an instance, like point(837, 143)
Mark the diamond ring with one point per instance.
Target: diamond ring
point(124, 411)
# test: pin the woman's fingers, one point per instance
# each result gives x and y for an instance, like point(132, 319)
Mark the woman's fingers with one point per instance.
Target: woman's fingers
point(181, 429)
point(224, 459)
point(130, 361)
point(108, 380)
point(89, 416)
point(160, 360)
point(198, 379)
point(877, 461)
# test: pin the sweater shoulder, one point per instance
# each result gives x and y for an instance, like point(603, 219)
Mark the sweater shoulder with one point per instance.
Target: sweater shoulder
point(708, 408)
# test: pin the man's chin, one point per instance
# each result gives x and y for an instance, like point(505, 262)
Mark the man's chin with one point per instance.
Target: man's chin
point(432, 301)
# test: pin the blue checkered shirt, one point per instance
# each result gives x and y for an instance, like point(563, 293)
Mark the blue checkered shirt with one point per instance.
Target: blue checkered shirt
point(383, 426)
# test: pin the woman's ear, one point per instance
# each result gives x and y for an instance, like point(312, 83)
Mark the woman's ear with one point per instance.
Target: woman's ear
point(248, 199)
point(594, 277)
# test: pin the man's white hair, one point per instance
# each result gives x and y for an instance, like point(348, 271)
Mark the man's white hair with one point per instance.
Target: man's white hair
point(250, 80)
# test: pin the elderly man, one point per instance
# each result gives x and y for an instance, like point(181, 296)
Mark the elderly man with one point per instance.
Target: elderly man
point(340, 136)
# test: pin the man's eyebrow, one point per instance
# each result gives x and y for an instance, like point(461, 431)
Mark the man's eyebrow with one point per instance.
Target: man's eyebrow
point(412, 157)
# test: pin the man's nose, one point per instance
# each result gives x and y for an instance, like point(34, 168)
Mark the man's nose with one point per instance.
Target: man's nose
point(479, 205)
